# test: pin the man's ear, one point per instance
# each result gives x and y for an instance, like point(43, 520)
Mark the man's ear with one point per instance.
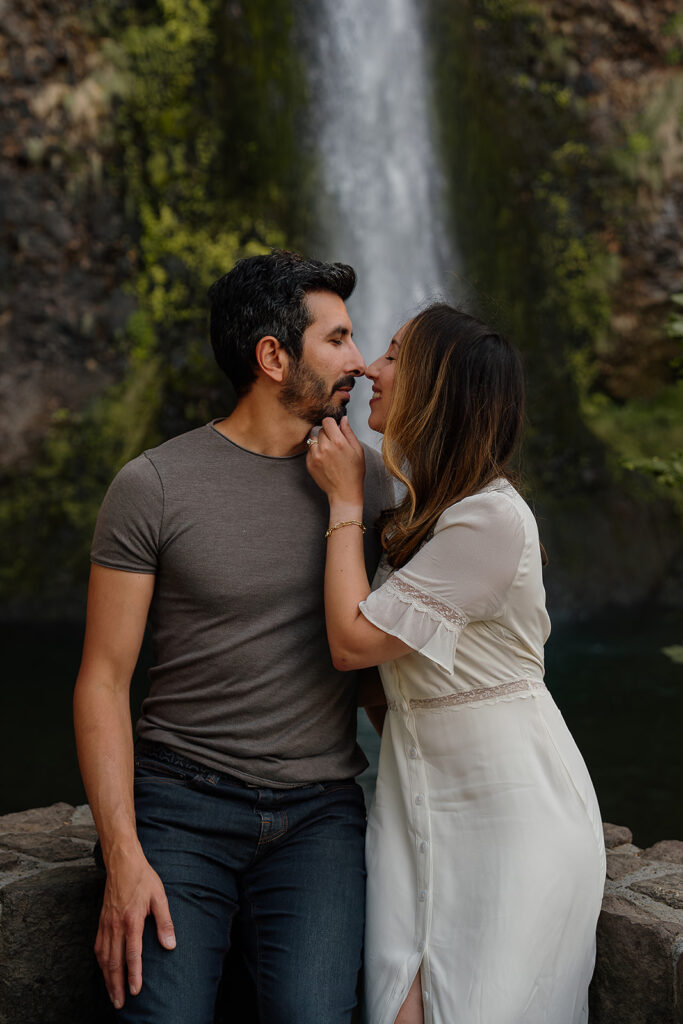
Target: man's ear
point(272, 359)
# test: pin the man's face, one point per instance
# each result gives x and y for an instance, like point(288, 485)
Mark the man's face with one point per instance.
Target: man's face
point(320, 383)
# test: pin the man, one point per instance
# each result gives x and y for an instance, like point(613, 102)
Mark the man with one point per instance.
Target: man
point(244, 803)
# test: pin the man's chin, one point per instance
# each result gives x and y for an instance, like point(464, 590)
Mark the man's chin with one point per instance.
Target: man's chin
point(337, 412)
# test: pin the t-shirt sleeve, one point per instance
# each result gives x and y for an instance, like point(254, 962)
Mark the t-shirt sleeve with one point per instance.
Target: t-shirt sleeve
point(129, 522)
point(379, 480)
point(461, 575)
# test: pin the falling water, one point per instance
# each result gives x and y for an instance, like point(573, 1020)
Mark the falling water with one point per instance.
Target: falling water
point(380, 201)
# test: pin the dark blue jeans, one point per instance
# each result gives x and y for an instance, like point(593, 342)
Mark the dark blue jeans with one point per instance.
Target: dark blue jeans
point(288, 863)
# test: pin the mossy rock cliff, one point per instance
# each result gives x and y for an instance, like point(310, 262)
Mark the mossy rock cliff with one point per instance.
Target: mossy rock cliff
point(150, 145)
point(561, 137)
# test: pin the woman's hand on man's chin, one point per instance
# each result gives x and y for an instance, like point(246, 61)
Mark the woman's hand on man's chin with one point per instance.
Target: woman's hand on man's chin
point(336, 461)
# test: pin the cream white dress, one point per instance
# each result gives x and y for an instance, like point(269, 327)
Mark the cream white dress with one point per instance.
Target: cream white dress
point(485, 853)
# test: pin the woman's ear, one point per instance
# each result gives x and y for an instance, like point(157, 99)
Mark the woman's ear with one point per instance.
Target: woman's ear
point(272, 359)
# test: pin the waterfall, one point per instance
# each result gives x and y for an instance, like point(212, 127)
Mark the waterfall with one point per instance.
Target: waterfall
point(380, 202)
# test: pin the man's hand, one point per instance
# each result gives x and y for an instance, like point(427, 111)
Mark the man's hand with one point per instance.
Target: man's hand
point(133, 890)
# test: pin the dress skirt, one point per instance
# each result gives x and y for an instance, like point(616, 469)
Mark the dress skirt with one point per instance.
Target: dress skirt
point(485, 861)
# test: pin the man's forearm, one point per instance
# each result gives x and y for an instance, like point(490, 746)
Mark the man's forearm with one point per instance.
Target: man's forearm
point(118, 603)
point(105, 753)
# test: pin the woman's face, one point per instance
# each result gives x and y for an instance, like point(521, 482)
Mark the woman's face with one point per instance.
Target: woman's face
point(381, 373)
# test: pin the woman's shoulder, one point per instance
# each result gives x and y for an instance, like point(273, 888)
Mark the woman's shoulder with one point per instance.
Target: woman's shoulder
point(497, 505)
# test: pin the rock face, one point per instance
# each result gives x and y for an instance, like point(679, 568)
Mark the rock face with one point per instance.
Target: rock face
point(63, 249)
point(561, 140)
point(623, 59)
point(639, 968)
point(50, 894)
point(69, 256)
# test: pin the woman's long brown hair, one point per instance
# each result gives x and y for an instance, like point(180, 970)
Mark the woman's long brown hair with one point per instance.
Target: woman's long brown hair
point(456, 415)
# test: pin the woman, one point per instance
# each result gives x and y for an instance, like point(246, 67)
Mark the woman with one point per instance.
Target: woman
point(484, 849)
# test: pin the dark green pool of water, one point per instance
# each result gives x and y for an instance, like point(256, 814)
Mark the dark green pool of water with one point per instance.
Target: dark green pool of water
point(620, 695)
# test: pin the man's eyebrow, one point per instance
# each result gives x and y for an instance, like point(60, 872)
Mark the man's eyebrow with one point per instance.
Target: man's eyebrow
point(341, 329)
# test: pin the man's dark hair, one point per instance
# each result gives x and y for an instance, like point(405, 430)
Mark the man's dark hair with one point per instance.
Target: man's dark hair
point(266, 295)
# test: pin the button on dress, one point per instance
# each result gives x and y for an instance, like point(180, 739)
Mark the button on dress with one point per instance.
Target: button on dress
point(485, 852)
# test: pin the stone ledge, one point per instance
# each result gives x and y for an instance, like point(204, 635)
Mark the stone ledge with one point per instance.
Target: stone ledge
point(639, 968)
point(36, 840)
point(50, 894)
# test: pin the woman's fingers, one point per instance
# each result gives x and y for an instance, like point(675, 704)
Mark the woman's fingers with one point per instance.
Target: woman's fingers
point(337, 461)
point(330, 430)
point(340, 434)
point(348, 433)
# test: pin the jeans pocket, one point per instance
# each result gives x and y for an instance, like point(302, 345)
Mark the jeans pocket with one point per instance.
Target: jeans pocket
point(148, 769)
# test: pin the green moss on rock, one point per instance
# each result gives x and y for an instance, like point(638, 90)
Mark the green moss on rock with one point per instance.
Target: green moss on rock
point(204, 143)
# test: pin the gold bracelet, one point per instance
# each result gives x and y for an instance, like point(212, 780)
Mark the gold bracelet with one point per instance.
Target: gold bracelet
point(347, 522)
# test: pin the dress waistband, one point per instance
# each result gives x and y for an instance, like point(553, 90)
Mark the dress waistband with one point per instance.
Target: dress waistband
point(487, 693)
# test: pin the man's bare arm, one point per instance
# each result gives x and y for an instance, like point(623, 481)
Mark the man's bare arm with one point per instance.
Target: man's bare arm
point(118, 603)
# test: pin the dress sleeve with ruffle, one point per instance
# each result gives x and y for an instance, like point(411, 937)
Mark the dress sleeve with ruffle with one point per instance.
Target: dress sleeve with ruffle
point(462, 575)
point(414, 616)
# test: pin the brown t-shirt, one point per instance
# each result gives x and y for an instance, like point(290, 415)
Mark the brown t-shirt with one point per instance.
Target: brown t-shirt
point(242, 679)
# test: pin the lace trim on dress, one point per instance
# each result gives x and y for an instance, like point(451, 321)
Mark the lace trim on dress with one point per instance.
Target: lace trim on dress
point(426, 602)
point(447, 700)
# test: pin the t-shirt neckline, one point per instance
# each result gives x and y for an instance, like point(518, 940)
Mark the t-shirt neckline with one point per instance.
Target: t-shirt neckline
point(248, 451)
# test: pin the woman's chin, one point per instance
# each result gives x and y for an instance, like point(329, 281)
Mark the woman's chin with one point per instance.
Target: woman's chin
point(375, 422)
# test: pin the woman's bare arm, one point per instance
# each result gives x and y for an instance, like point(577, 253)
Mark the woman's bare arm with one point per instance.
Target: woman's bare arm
point(337, 464)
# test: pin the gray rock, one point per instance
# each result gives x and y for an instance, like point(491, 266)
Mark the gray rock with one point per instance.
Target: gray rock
point(616, 835)
point(48, 923)
point(47, 846)
point(621, 864)
point(38, 819)
point(668, 849)
point(8, 860)
point(638, 977)
point(88, 832)
point(83, 816)
point(627, 850)
point(665, 889)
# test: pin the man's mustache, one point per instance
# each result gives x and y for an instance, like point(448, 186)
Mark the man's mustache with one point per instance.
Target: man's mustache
point(344, 382)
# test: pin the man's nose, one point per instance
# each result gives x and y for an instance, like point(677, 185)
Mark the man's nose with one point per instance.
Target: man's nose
point(356, 363)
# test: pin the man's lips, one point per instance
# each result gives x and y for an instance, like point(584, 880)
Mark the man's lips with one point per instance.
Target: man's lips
point(345, 387)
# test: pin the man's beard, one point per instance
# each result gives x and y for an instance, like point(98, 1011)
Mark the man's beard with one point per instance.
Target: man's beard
point(307, 395)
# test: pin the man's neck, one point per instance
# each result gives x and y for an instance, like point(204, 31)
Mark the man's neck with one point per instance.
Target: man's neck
point(264, 426)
